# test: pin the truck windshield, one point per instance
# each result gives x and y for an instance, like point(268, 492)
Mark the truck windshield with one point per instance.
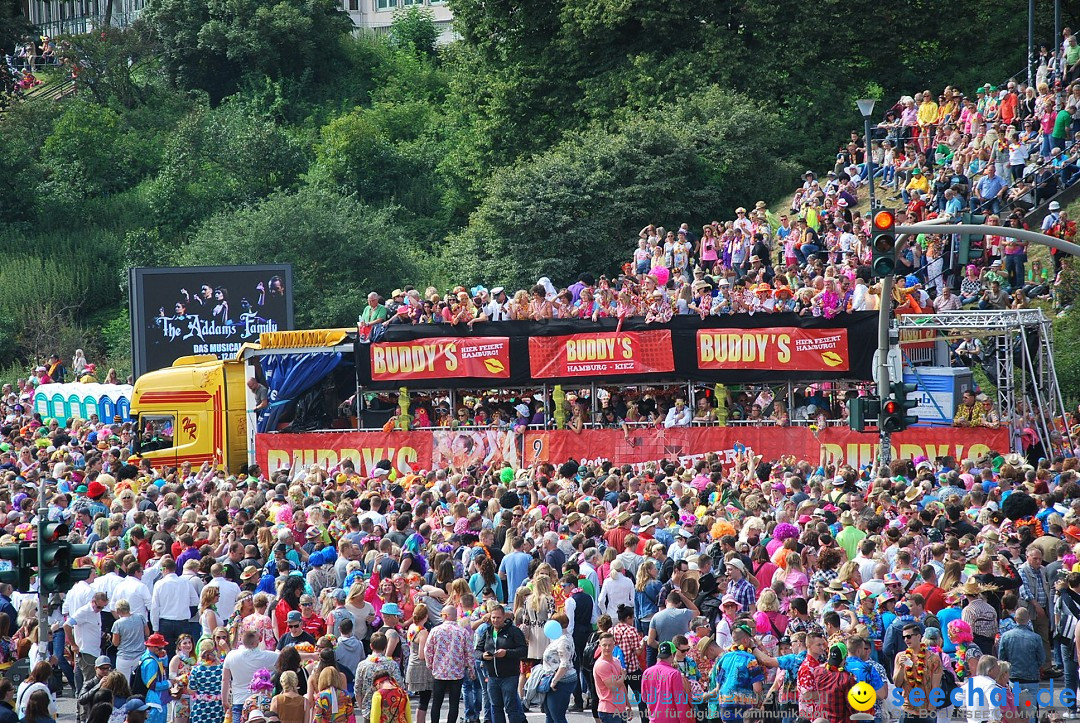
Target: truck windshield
point(155, 431)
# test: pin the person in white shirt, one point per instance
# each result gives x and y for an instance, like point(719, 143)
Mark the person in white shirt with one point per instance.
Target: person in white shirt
point(79, 594)
point(83, 631)
point(132, 589)
point(190, 575)
point(229, 591)
point(498, 309)
point(152, 571)
point(240, 666)
point(982, 696)
point(618, 589)
point(172, 604)
point(679, 415)
point(108, 582)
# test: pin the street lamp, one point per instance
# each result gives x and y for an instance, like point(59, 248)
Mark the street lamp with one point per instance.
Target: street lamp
point(866, 107)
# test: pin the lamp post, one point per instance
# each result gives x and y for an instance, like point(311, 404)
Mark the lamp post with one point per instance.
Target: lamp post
point(866, 107)
point(1031, 43)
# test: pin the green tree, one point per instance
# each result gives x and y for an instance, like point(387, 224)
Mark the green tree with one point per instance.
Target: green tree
point(219, 156)
point(212, 44)
point(580, 205)
point(341, 249)
point(414, 29)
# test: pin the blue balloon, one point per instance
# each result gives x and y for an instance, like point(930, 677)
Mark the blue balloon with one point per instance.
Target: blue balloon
point(553, 630)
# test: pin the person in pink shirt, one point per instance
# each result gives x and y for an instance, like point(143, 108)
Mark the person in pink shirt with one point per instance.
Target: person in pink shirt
point(665, 690)
point(609, 679)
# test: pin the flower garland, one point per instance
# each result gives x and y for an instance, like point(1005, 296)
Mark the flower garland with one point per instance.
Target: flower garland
point(915, 674)
point(961, 662)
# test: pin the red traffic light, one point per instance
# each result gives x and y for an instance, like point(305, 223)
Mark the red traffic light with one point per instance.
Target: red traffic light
point(884, 220)
point(890, 407)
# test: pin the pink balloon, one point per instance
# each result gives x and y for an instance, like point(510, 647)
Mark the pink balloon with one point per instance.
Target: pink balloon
point(662, 275)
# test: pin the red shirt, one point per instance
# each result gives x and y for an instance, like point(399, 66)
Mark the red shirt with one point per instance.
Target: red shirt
point(144, 552)
point(314, 625)
point(832, 687)
point(934, 596)
point(617, 538)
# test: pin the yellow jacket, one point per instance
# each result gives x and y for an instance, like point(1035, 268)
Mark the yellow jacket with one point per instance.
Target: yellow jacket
point(928, 113)
point(919, 183)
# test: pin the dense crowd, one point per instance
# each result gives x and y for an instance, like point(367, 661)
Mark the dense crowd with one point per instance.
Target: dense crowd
point(723, 590)
point(948, 156)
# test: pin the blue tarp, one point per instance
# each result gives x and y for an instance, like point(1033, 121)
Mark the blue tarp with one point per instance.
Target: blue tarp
point(290, 375)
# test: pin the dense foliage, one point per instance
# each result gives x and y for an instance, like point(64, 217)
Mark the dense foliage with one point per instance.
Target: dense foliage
point(234, 131)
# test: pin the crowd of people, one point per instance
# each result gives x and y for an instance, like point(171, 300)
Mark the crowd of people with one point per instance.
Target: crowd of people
point(949, 156)
point(729, 591)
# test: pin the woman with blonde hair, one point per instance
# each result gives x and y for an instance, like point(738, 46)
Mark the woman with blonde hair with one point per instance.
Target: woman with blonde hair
point(332, 703)
point(646, 594)
point(793, 575)
point(418, 678)
point(204, 685)
point(208, 616)
point(290, 706)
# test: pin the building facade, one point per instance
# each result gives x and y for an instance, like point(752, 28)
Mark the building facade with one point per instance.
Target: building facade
point(67, 17)
point(376, 15)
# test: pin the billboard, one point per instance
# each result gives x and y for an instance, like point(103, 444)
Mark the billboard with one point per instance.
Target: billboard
point(601, 354)
point(177, 312)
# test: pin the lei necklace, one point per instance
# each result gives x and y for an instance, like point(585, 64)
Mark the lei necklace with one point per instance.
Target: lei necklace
point(743, 648)
point(961, 662)
point(916, 673)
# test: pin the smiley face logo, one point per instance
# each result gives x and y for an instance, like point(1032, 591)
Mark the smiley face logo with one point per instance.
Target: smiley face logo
point(862, 697)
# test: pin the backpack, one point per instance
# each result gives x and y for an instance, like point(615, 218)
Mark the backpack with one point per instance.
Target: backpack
point(948, 684)
point(138, 687)
point(588, 655)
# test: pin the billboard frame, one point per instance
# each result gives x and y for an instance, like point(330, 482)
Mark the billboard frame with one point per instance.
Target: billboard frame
point(138, 276)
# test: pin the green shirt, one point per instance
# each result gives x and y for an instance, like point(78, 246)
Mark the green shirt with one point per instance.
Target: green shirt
point(371, 314)
point(1061, 124)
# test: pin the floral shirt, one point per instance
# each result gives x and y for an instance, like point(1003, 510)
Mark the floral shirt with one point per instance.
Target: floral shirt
point(449, 652)
point(365, 677)
point(262, 625)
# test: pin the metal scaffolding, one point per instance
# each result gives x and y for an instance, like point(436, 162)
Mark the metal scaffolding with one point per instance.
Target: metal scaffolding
point(1022, 344)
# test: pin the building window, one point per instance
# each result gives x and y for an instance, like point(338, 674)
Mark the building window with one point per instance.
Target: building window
point(354, 6)
point(407, 3)
point(385, 4)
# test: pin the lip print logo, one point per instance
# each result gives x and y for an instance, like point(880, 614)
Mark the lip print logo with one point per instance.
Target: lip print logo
point(862, 697)
point(494, 366)
point(832, 358)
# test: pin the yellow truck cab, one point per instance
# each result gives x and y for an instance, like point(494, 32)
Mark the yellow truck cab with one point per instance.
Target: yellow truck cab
point(193, 411)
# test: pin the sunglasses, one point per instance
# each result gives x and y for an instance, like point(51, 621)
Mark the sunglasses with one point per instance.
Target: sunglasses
point(909, 636)
point(294, 625)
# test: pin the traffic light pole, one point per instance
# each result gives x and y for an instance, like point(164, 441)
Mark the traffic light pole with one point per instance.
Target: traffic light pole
point(884, 314)
point(44, 636)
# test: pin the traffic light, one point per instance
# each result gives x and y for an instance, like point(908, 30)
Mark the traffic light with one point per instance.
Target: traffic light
point(883, 243)
point(894, 412)
point(972, 245)
point(862, 412)
point(19, 576)
point(57, 559)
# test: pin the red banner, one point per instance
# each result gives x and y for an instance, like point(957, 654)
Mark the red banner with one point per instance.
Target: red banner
point(687, 444)
point(601, 354)
point(840, 445)
point(784, 348)
point(484, 357)
point(484, 448)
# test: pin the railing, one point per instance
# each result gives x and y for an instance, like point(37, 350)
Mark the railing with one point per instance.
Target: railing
point(631, 425)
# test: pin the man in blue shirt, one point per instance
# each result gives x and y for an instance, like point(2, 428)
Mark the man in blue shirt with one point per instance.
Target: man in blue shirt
point(988, 191)
point(865, 670)
point(514, 569)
